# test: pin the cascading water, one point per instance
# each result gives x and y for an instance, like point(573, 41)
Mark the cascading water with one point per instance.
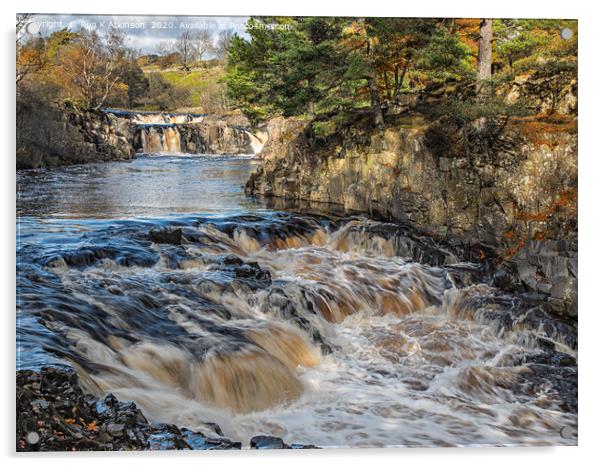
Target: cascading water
point(167, 133)
point(156, 118)
point(257, 141)
point(314, 329)
point(160, 139)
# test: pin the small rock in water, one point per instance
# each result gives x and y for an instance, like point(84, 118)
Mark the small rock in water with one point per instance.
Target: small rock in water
point(217, 429)
point(265, 442)
point(198, 441)
point(166, 236)
point(166, 441)
point(300, 446)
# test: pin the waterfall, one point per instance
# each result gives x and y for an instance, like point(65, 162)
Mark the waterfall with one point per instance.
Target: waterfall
point(160, 139)
point(177, 133)
point(256, 141)
point(156, 118)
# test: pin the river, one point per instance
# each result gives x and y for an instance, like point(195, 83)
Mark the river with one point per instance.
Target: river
point(160, 282)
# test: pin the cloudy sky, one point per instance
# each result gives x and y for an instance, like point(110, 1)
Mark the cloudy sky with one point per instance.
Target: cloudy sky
point(145, 33)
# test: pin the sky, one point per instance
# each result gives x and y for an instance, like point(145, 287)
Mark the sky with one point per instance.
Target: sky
point(145, 33)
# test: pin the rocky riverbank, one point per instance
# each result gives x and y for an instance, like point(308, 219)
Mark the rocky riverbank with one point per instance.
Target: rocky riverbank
point(515, 192)
point(54, 414)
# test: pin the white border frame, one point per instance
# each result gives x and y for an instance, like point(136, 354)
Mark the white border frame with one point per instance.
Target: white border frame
point(589, 210)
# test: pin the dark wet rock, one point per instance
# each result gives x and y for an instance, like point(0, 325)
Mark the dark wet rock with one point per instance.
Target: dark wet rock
point(53, 414)
point(505, 312)
point(554, 373)
point(249, 274)
point(549, 268)
point(217, 429)
point(293, 303)
point(253, 275)
point(506, 278)
point(115, 430)
point(166, 236)
point(265, 442)
point(200, 442)
point(124, 255)
point(166, 437)
point(231, 259)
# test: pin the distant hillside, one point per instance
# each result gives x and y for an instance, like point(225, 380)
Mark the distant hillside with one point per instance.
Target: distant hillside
point(202, 88)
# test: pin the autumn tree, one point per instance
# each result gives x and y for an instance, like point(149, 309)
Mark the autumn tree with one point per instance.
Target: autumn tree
point(133, 77)
point(397, 43)
point(92, 65)
point(31, 55)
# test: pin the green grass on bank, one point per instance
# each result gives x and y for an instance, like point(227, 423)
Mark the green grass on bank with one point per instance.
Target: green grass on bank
point(199, 82)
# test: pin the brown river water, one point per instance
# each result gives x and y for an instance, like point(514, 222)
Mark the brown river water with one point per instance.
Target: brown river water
point(160, 282)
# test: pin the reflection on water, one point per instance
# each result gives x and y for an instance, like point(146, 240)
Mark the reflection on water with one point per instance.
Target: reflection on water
point(147, 186)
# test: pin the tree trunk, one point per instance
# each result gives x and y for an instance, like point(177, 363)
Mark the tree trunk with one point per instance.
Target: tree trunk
point(377, 112)
point(485, 51)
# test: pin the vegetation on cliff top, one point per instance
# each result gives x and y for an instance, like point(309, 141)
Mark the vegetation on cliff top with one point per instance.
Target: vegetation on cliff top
point(329, 69)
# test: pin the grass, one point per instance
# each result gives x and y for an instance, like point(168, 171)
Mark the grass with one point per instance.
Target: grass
point(196, 81)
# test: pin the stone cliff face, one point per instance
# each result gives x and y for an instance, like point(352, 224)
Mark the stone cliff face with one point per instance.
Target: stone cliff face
point(218, 137)
point(53, 136)
point(517, 193)
point(399, 174)
point(107, 136)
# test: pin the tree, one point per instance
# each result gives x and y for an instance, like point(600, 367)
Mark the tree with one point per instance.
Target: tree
point(485, 52)
point(364, 58)
point(202, 44)
point(223, 44)
point(185, 47)
point(300, 67)
point(135, 80)
point(332, 68)
point(398, 43)
point(91, 65)
point(162, 95)
point(528, 41)
point(31, 56)
point(516, 39)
